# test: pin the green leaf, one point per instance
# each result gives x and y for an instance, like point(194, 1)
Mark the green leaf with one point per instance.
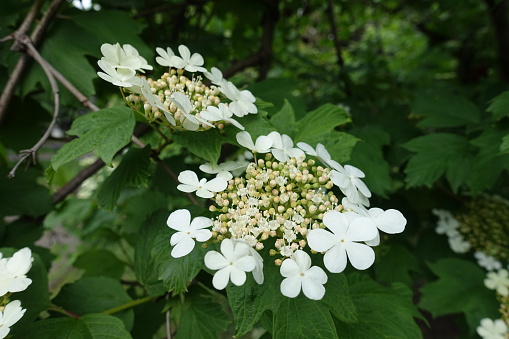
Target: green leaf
point(206, 145)
point(284, 120)
point(106, 131)
point(337, 298)
point(368, 156)
point(314, 124)
point(139, 207)
point(488, 163)
point(100, 263)
point(303, 318)
point(146, 267)
point(504, 147)
point(442, 109)
point(255, 124)
point(132, 171)
point(458, 279)
point(384, 312)
point(94, 295)
point(249, 301)
point(22, 195)
point(499, 106)
point(176, 273)
point(202, 318)
point(90, 326)
point(436, 154)
point(396, 265)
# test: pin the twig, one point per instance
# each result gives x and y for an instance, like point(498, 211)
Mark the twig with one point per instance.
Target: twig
point(27, 23)
point(76, 182)
point(334, 32)
point(22, 63)
point(168, 325)
point(25, 40)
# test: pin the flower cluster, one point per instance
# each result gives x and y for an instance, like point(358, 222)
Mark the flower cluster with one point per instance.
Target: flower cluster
point(285, 199)
point(176, 100)
point(483, 227)
point(13, 279)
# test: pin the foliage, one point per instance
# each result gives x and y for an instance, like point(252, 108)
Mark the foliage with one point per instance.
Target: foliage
point(414, 94)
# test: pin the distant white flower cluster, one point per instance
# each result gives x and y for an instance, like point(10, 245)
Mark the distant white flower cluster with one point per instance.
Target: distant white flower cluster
point(448, 225)
point(287, 195)
point(175, 100)
point(13, 279)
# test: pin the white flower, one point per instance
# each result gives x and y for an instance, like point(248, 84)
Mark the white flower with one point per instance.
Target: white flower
point(9, 316)
point(165, 56)
point(262, 144)
point(347, 230)
point(126, 57)
point(154, 100)
point(189, 122)
point(299, 274)
point(215, 76)
point(498, 281)
point(188, 230)
point(191, 63)
point(222, 170)
point(282, 147)
point(490, 329)
point(320, 152)
point(447, 224)
point(347, 179)
point(457, 243)
point(487, 261)
point(13, 273)
point(203, 188)
point(232, 263)
point(123, 77)
point(221, 113)
point(258, 271)
point(242, 101)
point(390, 221)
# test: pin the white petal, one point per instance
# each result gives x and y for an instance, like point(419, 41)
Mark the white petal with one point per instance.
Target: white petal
point(200, 222)
point(303, 260)
point(21, 262)
point(227, 248)
point(179, 220)
point(237, 276)
point(375, 241)
point(277, 139)
point(362, 187)
point(279, 155)
point(246, 264)
point(295, 153)
point(244, 139)
point(189, 178)
point(183, 247)
point(312, 289)
point(184, 52)
point(289, 268)
point(290, 287)
point(336, 222)
point(317, 274)
point(391, 221)
point(203, 193)
point(335, 259)
point(320, 240)
point(202, 235)
point(361, 229)
point(263, 144)
point(216, 185)
point(306, 148)
point(221, 278)
point(361, 256)
point(187, 188)
point(354, 171)
point(215, 260)
point(12, 313)
point(339, 179)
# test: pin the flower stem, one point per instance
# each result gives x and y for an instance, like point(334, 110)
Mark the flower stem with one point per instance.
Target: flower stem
point(63, 311)
point(129, 305)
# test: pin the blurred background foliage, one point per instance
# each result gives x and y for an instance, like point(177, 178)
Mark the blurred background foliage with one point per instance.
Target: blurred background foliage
point(424, 82)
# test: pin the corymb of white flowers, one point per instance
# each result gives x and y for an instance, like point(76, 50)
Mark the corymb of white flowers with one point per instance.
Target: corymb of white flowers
point(179, 99)
point(284, 199)
point(13, 279)
point(286, 196)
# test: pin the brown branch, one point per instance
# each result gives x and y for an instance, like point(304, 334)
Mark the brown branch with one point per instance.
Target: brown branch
point(25, 41)
point(76, 182)
point(22, 63)
point(334, 32)
point(27, 23)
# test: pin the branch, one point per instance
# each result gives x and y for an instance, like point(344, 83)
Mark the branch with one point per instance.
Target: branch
point(23, 60)
point(25, 41)
point(334, 32)
point(27, 23)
